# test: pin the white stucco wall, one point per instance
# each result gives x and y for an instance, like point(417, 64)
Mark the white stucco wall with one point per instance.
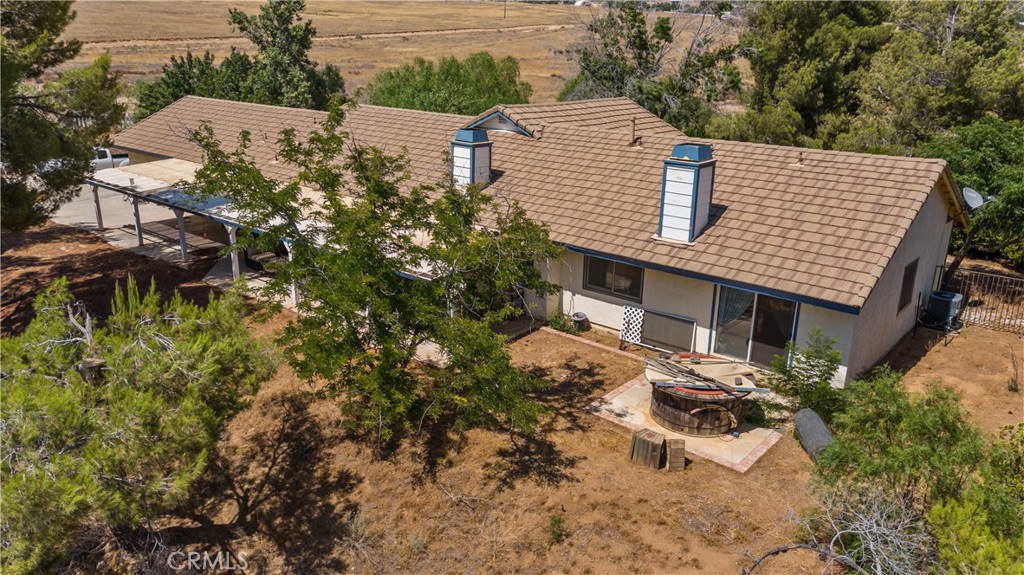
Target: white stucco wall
point(543, 308)
point(861, 339)
point(879, 327)
point(662, 292)
point(834, 324)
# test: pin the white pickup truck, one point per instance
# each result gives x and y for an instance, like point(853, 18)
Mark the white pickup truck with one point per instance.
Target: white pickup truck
point(104, 159)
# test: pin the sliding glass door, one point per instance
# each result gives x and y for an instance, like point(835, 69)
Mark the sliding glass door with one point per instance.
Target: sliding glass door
point(753, 327)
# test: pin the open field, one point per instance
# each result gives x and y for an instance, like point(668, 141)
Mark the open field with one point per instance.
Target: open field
point(360, 37)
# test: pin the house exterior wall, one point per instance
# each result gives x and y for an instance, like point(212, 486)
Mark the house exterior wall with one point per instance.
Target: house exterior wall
point(879, 325)
point(689, 298)
point(662, 292)
point(861, 339)
point(834, 324)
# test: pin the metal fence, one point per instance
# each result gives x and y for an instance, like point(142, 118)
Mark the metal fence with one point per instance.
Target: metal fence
point(990, 300)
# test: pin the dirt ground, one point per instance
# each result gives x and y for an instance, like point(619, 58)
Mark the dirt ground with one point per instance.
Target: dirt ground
point(360, 37)
point(978, 363)
point(31, 260)
point(288, 488)
point(291, 490)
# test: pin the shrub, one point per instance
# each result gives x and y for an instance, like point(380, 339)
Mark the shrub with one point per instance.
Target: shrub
point(124, 442)
point(804, 377)
point(556, 529)
point(918, 448)
point(563, 323)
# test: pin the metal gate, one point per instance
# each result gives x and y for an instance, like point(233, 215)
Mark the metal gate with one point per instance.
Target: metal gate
point(992, 301)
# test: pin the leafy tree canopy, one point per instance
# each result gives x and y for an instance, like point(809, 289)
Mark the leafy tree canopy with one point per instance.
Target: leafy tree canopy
point(49, 127)
point(280, 73)
point(807, 59)
point(112, 423)
point(988, 155)
point(947, 64)
point(384, 266)
point(917, 448)
point(468, 87)
point(624, 54)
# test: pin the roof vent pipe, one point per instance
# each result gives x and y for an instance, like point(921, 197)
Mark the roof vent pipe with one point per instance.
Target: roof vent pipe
point(688, 180)
point(471, 158)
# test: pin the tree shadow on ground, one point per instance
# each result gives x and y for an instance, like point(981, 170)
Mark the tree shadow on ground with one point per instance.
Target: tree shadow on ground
point(574, 385)
point(92, 269)
point(533, 458)
point(283, 487)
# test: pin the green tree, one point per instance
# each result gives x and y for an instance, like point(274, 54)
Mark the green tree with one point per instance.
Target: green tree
point(619, 54)
point(49, 128)
point(280, 73)
point(966, 543)
point(805, 376)
point(947, 64)
point(469, 87)
point(807, 59)
point(112, 423)
point(383, 267)
point(920, 448)
point(622, 54)
point(988, 155)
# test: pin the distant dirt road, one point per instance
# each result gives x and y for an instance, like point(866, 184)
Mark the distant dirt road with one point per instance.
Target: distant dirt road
point(228, 40)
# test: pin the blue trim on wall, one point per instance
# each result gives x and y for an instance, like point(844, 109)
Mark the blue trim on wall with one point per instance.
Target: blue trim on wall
point(664, 182)
point(711, 322)
point(792, 337)
point(693, 204)
point(495, 114)
point(472, 165)
point(796, 322)
point(853, 310)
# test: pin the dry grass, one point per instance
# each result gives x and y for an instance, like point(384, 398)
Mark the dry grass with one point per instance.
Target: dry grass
point(360, 37)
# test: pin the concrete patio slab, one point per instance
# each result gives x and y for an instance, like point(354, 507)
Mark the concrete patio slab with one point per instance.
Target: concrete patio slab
point(628, 406)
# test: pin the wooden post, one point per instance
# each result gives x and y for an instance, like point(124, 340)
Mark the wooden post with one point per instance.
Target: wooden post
point(138, 222)
point(99, 212)
point(232, 238)
point(181, 234)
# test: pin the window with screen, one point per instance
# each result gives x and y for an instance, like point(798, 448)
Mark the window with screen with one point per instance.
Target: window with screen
point(668, 333)
point(907, 289)
point(619, 279)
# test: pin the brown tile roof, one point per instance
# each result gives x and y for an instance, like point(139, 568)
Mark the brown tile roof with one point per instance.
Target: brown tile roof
point(823, 229)
point(613, 114)
point(422, 136)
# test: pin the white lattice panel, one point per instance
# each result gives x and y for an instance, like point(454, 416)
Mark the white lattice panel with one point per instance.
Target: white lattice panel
point(632, 324)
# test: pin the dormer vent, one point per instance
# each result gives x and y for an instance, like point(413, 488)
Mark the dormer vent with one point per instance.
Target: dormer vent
point(471, 158)
point(688, 181)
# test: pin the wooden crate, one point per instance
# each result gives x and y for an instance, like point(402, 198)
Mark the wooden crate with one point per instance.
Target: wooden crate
point(646, 448)
point(675, 454)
